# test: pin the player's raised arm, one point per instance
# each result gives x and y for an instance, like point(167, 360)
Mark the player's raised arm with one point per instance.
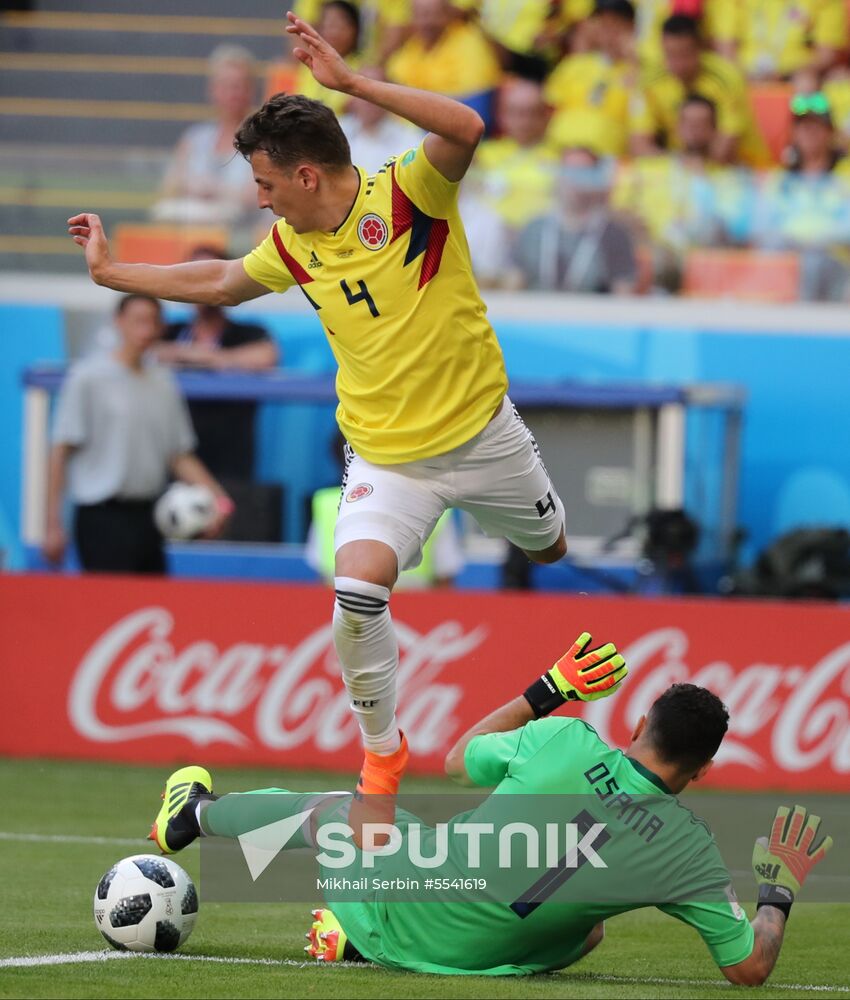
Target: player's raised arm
point(581, 674)
point(455, 130)
point(211, 282)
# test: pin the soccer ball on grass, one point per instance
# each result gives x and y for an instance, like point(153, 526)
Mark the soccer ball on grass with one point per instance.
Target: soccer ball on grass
point(145, 903)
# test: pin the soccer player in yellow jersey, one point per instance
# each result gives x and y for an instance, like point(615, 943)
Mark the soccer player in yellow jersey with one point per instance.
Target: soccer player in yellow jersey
point(384, 262)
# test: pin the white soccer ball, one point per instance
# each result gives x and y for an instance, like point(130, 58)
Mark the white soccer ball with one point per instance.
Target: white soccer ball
point(184, 511)
point(145, 903)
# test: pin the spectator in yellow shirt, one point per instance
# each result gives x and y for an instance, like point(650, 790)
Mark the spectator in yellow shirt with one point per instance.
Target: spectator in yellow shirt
point(774, 39)
point(339, 25)
point(651, 15)
point(689, 69)
point(591, 90)
point(383, 24)
point(526, 33)
point(515, 173)
point(447, 55)
point(511, 181)
point(837, 92)
point(684, 199)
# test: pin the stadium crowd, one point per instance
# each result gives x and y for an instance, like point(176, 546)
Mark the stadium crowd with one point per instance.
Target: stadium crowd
point(624, 139)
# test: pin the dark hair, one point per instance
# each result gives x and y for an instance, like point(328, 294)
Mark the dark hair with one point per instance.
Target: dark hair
point(681, 26)
point(624, 9)
point(686, 725)
point(127, 300)
point(350, 11)
point(704, 102)
point(293, 129)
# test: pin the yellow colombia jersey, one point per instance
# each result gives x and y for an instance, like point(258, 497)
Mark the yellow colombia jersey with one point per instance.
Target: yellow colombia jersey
point(420, 369)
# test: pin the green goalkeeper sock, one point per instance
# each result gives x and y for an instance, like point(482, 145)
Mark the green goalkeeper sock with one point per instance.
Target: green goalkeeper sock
point(240, 812)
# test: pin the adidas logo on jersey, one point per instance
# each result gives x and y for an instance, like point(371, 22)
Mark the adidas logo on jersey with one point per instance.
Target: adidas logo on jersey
point(314, 261)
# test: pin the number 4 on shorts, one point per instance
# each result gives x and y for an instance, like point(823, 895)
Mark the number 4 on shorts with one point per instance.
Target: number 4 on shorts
point(546, 504)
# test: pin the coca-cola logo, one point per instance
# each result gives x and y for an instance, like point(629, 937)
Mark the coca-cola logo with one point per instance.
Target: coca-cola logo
point(137, 681)
point(134, 683)
point(806, 709)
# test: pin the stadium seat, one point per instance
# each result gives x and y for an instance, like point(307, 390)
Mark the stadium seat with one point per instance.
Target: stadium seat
point(769, 102)
point(742, 274)
point(281, 79)
point(161, 244)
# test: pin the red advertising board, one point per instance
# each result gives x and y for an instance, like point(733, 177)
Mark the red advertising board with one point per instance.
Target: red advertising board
point(226, 673)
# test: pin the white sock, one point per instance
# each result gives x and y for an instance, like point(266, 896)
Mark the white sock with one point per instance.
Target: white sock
point(367, 648)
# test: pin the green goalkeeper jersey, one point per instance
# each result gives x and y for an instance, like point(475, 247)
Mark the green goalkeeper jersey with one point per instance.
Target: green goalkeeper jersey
point(657, 853)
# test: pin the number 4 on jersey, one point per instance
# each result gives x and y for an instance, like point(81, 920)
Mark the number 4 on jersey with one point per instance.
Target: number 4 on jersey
point(362, 296)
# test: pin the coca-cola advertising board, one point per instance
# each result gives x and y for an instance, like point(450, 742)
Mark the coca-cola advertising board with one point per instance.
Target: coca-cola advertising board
point(229, 673)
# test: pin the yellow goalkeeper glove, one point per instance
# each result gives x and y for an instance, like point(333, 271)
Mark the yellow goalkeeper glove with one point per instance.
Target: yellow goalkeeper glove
point(782, 861)
point(581, 674)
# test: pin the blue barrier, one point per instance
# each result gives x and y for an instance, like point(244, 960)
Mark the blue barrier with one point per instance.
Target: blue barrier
point(313, 397)
point(28, 334)
point(793, 462)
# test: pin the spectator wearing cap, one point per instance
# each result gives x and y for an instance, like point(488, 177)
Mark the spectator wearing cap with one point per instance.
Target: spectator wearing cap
point(210, 339)
point(684, 199)
point(449, 55)
point(579, 246)
point(590, 91)
point(775, 39)
point(691, 69)
point(806, 205)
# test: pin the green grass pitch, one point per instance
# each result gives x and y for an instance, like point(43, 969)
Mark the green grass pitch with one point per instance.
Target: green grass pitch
point(94, 811)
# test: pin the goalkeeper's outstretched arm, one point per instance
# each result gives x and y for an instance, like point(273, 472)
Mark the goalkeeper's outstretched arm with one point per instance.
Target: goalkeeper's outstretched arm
point(781, 864)
point(769, 930)
point(582, 674)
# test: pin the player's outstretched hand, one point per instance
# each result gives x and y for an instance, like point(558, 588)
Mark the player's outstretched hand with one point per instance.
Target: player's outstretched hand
point(782, 861)
point(86, 230)
point(323, 60)
point(584, 674)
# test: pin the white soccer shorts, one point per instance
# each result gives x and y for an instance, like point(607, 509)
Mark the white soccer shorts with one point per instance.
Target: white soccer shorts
point(497, 476)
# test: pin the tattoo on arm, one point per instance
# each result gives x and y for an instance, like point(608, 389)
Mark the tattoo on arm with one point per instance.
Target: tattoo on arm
point(769, 925)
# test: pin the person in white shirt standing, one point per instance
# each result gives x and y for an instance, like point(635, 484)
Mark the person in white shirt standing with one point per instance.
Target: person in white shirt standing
point(121, 429)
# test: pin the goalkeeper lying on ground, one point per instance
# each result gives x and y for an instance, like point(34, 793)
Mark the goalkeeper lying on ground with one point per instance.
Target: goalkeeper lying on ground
point(639, 846)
